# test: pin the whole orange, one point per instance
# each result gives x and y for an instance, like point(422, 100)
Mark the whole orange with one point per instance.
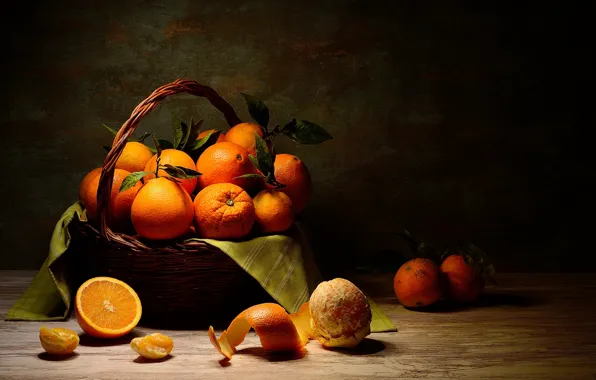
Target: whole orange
point(222, 163)
point(463, 282)
point(417, 283)
point(134, 157)
point(243, 134)
point(223, 211)
point(162, 210)
point(86, 181)
point(292, 172)
point(118, 217)
point(220, 138)
point(273, 210)
point(177, 158)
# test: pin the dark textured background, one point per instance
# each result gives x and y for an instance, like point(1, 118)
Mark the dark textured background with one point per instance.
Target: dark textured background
point(454, 121)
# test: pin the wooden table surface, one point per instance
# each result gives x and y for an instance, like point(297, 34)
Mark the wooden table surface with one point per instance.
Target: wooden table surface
point(532, 326)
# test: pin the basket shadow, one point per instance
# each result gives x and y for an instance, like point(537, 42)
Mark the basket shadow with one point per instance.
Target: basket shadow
point(368, 346)
point(89, 341)
point(56, 358)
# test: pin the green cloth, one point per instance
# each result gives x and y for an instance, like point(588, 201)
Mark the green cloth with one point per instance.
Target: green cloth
point(282, 264)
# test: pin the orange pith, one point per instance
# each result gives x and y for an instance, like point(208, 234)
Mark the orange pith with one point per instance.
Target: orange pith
point(107, 307)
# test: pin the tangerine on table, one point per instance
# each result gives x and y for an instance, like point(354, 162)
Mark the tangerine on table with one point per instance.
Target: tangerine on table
point(222, 163)
point(463, 282)
point(162, 210)
point(107, 307)
point(223, 211)
point(173, 157)
point(273, 210)
point(134, 157)
point(293, 173)
point(120, 203)
point(417, 283)
point(243, 134)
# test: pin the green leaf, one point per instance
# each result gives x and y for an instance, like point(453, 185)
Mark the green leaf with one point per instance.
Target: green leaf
point(305, 132)
point(198, 147)
point(212, 135)
point(254, 161)
point(250, 175)
point(177, 128)
point(257, 109)
point(195, 131)
point(478, 259)
point(157, 144)
point(264, 158)
point(143, 137)
point(165, 144)
point(178, 134)
point(184, 138)
point(112, 131)
point(132, 180)
point(179, 171)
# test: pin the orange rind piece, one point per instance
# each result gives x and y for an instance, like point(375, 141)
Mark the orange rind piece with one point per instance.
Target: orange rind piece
point(278, 331)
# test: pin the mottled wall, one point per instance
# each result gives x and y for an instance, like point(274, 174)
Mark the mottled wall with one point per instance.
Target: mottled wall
point(451, 121)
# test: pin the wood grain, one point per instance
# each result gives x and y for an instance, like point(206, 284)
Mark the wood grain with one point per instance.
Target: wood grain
point(531, 326)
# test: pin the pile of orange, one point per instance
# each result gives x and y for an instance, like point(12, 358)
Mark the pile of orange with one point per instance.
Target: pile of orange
point(226, 201)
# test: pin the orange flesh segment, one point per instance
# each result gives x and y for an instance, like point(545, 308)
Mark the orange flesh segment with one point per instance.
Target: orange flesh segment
point(108, 305)
point(272, 324)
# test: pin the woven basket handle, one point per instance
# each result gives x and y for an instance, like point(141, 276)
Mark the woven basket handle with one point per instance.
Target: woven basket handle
point(128, 128)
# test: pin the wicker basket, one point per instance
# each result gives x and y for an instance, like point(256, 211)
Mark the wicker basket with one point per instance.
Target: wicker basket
point(180, 283)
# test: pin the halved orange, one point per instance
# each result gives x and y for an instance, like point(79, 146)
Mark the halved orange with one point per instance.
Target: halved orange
point(107, 307)
point(274, 326)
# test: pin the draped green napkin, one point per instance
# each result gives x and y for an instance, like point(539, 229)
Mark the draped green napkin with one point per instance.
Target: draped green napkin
point(282, 264)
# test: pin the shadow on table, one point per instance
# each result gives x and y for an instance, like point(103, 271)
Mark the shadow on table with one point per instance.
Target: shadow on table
point(267, 355)
point(56, 358)
point(366, 347)
point(142, 360)
point(89, 341)
point(484, 300)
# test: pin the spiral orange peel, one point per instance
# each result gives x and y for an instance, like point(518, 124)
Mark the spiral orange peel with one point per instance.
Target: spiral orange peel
point(277, 330)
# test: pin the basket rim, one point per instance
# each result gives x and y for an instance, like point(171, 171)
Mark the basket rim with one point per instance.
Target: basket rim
point(126, 130)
